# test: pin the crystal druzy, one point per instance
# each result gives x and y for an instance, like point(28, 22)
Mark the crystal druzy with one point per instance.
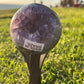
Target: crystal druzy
point(38, 25)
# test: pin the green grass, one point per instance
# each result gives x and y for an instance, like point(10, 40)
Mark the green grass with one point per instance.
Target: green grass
point(64, 63)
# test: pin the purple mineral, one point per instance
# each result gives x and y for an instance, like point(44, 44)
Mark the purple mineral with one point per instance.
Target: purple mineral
point(35, 28)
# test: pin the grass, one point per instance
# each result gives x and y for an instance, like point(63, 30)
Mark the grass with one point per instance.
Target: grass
point(64, 63)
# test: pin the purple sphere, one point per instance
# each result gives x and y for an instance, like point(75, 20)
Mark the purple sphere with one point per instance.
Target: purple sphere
point(35, 28)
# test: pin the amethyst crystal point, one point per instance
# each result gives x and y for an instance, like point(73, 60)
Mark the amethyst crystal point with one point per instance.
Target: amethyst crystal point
point(35, 28)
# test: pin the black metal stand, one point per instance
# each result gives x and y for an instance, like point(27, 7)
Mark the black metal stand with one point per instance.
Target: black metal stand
point(35, 62)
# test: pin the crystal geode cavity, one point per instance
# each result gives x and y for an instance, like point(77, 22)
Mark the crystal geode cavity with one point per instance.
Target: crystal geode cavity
point(35, 28)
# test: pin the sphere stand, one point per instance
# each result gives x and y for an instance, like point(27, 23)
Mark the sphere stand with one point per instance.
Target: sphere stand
point(34, 63)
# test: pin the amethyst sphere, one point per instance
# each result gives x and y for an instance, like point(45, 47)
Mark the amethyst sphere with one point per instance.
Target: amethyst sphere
point(35, 28)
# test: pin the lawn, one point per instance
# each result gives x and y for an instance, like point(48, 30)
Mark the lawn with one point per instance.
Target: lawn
point(64, 63)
